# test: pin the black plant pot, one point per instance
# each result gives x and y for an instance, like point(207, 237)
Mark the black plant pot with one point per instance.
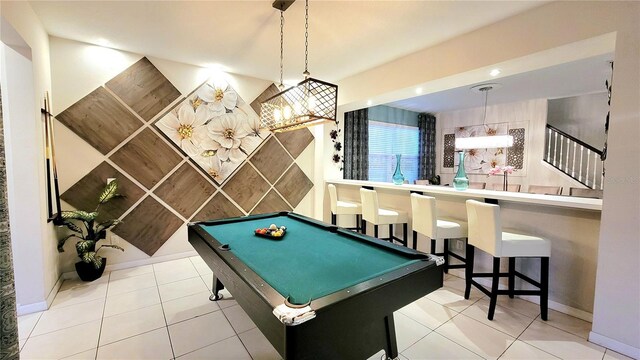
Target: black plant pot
point(88, 272)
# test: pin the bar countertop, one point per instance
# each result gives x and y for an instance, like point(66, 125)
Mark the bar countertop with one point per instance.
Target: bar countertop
point(519, 197)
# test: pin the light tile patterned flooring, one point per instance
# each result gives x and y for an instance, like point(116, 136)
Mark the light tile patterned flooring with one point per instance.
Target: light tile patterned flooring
point(162, 311)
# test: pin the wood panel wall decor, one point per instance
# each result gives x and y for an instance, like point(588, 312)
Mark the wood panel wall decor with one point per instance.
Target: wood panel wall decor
point(107, 123)
point(267, 93)
point(100, 120)
point(246, 187)
point(271, 160)
point(147, 158)
point(294, 185)
point(148, 226)
point(185, 190)
point(83, 195)
point(272, 202)
point(295, 141)
point(143, 87)
point(219, 207)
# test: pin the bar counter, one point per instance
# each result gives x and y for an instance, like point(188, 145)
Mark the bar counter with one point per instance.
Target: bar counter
point(572, 224)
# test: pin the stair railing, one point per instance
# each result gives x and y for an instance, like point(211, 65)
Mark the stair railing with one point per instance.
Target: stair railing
point(574, 158)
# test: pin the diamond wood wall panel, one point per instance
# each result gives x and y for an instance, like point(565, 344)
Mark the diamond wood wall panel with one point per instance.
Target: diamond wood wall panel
point(143, 87)
point(267, 93)
point(295, 141)
point(219, 207)
point(104, 122)
point(148, 226)
point(83, 195)
point(294, 185)
point(271, 160)
point(246, 187)
point(185, 190)
point(271, 203)
point(100, 120)
point(147, 158)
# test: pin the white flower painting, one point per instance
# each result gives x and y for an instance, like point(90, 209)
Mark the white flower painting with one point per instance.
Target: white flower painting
point(480, 161)
point(215, 128)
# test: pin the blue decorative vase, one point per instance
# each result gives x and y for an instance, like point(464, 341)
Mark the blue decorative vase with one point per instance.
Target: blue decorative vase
point(461, 181)
point(398, 177)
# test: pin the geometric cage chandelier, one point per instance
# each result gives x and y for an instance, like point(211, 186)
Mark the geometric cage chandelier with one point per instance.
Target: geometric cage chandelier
point(310, 102)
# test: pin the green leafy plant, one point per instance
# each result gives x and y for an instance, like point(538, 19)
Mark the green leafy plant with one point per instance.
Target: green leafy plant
point(87, 230)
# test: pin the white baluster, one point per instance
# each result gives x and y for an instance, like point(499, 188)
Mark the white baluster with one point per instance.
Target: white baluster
point(573, 165)
point(586, 173)
point(595, 169)
point(566, 164)
point(561, 143)
point(549, 146)
point(581, 152)
point(555, 150)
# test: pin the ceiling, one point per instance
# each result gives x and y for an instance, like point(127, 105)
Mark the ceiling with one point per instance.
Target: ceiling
point(584, 76)
point(242, 37)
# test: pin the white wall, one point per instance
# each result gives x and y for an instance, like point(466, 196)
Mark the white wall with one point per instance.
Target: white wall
point(531, 113)
point(543, 29)
point(79, 68)
point(34, 240)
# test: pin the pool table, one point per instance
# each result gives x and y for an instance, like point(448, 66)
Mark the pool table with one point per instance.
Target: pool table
point(349, 284)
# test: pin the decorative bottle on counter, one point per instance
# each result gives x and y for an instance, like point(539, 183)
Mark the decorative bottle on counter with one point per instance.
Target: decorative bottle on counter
point(461, 181)
point(398, 177)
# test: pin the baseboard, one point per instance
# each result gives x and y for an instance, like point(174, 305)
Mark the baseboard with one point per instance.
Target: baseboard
point(41, 305)
point(614, 345)
point(565, 309)
point(129, 264)
point(31, 308)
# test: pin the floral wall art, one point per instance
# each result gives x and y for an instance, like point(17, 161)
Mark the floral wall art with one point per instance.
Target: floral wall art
point(480, 161)
point(215, 128)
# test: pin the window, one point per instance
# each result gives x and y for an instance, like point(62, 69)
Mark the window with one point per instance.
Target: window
point(385, 141)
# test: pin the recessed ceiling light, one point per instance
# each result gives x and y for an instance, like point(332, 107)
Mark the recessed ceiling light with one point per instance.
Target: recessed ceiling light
point(369, 102)
point(419, 90)
point(495, 72)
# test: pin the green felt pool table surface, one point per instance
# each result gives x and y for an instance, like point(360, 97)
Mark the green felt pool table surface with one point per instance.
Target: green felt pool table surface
point(310, 261)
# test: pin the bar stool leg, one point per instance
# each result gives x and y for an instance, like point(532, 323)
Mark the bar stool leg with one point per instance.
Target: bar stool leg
point(375, 231)
point(405, 228)
point(544, 288)
point(357, 223)
point(433, 246)
point(333, 219)
point(468, 270)
point(415, 240)
point(512, 276)
point(445, 253)
point(494, 287)
point(391, 233)
point(363, 226)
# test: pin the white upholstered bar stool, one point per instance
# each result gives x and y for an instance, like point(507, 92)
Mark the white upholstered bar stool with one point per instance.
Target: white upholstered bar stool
point(426, 222)
point(339, 207)
point(372, 213)
point(485, 233)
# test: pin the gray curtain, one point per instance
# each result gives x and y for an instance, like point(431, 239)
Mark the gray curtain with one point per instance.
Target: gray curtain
point(356, 145)
point(9, 348)
point(427, 155)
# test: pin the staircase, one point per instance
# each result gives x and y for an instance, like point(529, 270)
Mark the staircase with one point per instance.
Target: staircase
point(574, 158)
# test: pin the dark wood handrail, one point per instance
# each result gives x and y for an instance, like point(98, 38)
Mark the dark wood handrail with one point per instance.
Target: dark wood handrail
point(584, 144)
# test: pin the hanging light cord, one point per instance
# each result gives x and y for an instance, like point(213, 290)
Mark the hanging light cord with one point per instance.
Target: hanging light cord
point(281, 86)
point(306, 39)
point(486, 95)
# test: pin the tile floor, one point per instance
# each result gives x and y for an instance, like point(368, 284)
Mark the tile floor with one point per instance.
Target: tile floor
point(162, 311)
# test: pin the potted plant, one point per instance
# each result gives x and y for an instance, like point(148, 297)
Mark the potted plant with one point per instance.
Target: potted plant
point(88, 231)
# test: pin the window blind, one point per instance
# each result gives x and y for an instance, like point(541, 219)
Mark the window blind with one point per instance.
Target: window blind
point(385, 141)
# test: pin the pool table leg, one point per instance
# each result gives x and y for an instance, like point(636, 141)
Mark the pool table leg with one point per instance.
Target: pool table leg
point(392, 345)
point(217, 286)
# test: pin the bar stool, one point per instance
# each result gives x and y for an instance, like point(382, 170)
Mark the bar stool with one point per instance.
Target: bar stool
point(485, 233)
point(426, 222)
point(372, 213)
point(339, 207)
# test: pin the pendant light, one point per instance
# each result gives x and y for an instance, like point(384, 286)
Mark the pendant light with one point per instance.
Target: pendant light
point(309, 103)
point(489, 141)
